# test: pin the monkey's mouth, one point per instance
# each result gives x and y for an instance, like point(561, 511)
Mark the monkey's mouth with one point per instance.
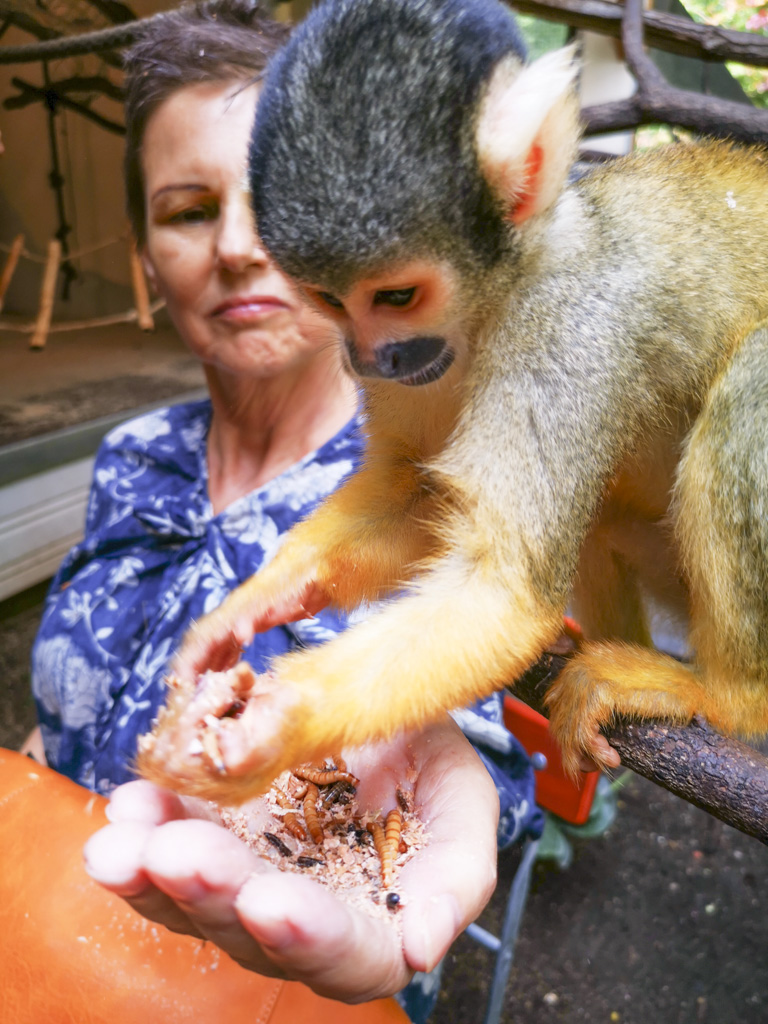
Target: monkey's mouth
point(431, 373)
point(413, 362)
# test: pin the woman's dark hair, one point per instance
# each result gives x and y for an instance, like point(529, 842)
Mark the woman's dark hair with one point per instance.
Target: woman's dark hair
point(208, 41)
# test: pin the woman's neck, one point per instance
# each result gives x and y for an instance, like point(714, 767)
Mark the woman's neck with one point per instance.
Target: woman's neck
point(262, 427)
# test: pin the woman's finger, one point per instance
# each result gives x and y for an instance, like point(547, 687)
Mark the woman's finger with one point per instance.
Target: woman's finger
point(114, 857)
point(316, 938)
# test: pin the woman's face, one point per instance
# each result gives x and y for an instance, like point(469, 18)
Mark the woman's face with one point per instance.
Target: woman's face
point(231, 305)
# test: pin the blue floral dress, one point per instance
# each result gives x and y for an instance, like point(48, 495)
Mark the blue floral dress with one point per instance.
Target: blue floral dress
point(155, 557)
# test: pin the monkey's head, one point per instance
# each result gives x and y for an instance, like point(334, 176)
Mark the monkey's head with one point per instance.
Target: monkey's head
point(400, 149)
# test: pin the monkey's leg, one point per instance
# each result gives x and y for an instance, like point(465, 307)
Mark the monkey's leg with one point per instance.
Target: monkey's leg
point(722, 526)
point(359, 544)
point(722, 505)
point(606, 598)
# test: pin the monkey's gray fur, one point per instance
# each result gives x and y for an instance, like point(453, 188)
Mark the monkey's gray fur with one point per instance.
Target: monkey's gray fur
point(399, 108)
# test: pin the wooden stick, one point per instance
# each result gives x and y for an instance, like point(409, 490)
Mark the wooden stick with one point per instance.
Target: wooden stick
point(140, 291)
point(10, 265)
point(723, 776)
point(47, 293)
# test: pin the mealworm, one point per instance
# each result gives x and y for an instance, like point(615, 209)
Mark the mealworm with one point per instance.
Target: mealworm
point(290, 820)
point(405, 799)
point(392, 828)
point(310, 814)
point(339, 762)
point(324, 776)
point(384, 850)
point(300, 791)
point(379, 840)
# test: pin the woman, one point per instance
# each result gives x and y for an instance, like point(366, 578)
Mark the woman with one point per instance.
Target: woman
point(186, 503)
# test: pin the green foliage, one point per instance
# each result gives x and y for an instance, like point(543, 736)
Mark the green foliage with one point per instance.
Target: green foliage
point(742, 16)
point(541, 36)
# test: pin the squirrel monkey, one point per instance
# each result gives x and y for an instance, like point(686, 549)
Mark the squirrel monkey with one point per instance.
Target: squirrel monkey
point(566, 389)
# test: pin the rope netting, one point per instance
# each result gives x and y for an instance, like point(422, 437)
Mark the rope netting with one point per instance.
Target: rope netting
point(73, 254)
point(68, 17)
point(81, 27)
point(142, 312)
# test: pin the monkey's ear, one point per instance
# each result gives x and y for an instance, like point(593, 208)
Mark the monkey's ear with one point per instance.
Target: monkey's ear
point(528, 130)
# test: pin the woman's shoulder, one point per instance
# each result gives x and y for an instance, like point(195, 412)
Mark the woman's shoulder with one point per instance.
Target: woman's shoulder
point(153, 458)
point(165, 428)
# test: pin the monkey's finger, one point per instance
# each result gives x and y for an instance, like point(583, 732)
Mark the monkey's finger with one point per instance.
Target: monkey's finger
point(601, 756)
point(216, 642)
point(205, 648)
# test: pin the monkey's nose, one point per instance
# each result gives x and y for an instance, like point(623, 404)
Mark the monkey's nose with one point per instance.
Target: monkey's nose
point(399, 359)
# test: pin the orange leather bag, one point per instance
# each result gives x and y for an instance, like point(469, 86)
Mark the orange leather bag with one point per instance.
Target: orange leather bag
point(72, 953)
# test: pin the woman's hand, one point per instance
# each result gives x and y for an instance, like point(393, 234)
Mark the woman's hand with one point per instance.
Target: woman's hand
point(192, 875)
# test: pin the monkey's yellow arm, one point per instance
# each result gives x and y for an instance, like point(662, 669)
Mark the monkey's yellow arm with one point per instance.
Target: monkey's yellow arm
point(454, 638)
point(354, 548)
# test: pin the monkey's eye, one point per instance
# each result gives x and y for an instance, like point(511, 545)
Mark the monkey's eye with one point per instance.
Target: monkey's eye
point(330, 300)
point(396, 297)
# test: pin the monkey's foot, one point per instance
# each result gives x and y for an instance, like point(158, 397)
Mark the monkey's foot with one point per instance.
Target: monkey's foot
point(610, 679)
point(576, 713)
point(226, 741)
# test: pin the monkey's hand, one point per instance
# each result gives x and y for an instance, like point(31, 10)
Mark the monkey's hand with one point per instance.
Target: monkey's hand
point(272, 597)
point(215, 742)
point(360, 544)
point(609, 679)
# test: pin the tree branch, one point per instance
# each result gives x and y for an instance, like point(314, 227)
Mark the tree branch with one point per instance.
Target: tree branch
point(669, 32)
point(723, 776)
point(659, 101)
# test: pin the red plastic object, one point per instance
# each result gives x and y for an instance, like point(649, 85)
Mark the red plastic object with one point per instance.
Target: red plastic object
point(555, 792)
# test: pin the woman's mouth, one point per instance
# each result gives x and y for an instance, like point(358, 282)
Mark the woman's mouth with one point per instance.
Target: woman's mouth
point(247, 309)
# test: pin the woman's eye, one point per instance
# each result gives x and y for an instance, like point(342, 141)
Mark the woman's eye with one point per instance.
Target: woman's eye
point(394, 297)
point(330, 300)
point(195, 214)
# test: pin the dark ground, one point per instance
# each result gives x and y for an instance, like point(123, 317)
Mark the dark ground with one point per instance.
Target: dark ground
point(656, 922)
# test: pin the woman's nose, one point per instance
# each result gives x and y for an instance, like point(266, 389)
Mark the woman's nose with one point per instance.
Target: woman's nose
point(238, 246)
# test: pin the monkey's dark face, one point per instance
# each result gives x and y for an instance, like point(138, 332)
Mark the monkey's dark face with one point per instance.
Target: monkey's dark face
point(400, 326)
